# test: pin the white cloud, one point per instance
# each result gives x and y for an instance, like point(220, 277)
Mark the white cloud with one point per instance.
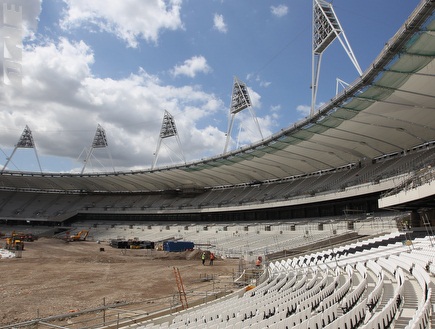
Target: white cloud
point(192, 66)
point(265, 84)
point(279, 11)
point(245, 130)
point(275, 108)
point(219, 23)
point(128, 20)
point(258, 79)
point(304, 110)
point(255, 98)
point(62, 102)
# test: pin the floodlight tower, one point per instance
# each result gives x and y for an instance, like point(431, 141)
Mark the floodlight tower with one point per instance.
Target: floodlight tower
point(167, 130)
point(326, 28)
point(100, 141)
point(25, 141)
point(240, 101)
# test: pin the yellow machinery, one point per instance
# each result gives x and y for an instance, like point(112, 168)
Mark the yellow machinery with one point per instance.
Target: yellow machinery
point(14, 242)
point(80, 236)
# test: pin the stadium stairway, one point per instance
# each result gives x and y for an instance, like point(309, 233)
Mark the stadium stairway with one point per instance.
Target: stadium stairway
point(389, 285)
point(411, 295)
point(432, 300)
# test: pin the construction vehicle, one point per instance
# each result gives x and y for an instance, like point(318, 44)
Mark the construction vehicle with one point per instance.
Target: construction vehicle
point(29, 237)
point(14, 242)
point(131, 244)
point(80, 236)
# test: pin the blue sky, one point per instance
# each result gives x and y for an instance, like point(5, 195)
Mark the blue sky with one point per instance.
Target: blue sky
point(121, 64)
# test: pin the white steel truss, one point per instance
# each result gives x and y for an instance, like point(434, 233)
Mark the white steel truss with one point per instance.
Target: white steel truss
point(326, 28)
point(340, 84)
point(168, 130)
point(25, 141)
point(240, 101)
point(99, 141)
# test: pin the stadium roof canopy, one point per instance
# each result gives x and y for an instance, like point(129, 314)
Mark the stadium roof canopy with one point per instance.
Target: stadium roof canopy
point(390, 109)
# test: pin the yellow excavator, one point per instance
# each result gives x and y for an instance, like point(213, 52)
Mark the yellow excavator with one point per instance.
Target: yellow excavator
point(14, 242)
point(80, 236)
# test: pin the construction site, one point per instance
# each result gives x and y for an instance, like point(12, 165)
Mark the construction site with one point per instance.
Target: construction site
point(88, 283)
point(79, 279)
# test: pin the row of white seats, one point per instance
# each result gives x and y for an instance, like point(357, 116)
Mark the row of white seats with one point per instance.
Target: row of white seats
point(375, 295)
point(351, 319)
point(384, 318)
point(245, 308)
point(352, 298)
point(275, 312)
point(300, 293)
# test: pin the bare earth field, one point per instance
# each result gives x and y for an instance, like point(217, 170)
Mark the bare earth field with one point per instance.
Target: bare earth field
point(54, 277)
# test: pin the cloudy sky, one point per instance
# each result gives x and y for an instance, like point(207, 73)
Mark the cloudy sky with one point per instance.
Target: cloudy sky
point(121, 64)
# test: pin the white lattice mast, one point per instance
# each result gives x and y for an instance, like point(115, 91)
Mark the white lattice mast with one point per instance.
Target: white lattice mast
point(326, 28)
point(100, 141)
point(240, 101)
point(12, 39)
point(168, 130)
point(26, 141)
point(340, 84)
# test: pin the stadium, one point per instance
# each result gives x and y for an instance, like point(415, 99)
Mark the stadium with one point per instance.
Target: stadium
point(340, 206)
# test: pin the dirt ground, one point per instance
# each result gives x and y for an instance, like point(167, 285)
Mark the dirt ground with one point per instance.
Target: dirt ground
point(54, 277)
